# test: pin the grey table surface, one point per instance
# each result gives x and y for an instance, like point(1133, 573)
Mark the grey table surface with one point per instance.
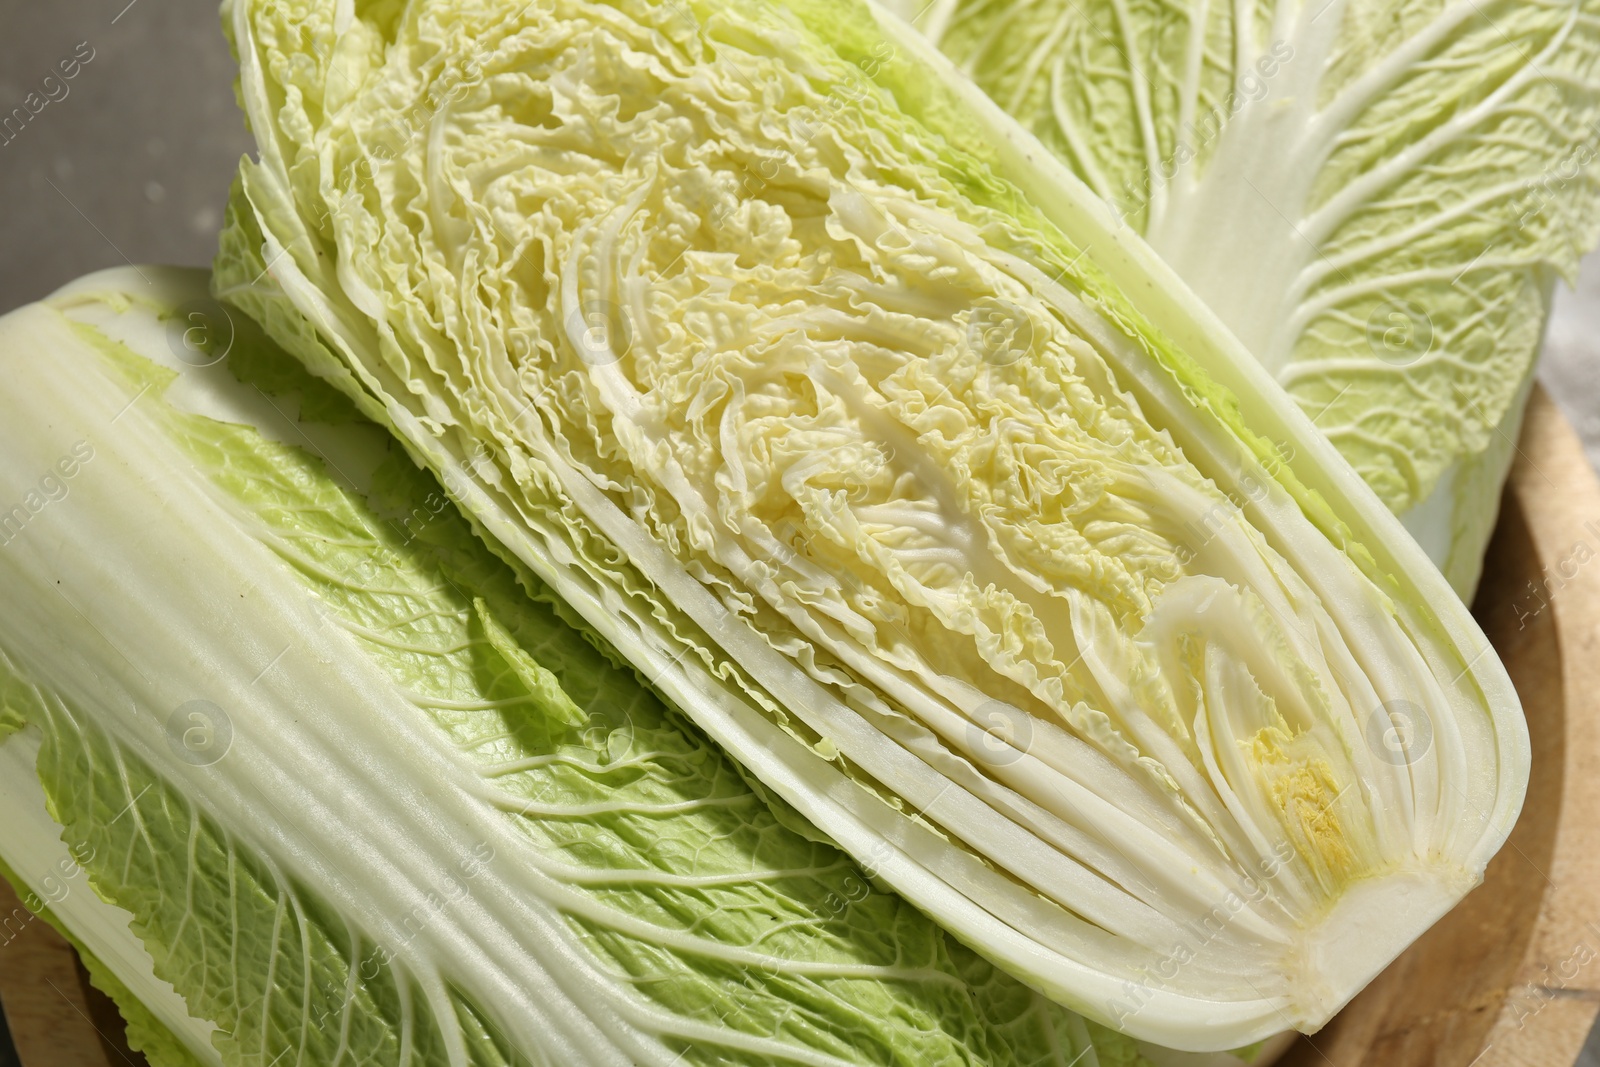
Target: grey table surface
point(131, 164)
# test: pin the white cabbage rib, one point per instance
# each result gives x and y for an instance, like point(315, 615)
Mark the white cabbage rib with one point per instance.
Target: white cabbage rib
point(1375, 197)
point(507, 936)
point(885, 488)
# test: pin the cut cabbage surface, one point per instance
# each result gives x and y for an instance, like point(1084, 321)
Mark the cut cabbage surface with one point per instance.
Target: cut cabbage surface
point(822, 392)
point(1376, 197)
point(314, 781)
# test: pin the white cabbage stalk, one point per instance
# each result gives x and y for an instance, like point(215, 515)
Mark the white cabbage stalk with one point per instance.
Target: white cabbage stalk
point(938, 512)
point(314, 781)
point(1377, 198)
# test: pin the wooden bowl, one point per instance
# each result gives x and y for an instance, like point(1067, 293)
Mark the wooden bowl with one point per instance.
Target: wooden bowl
point(56, 1018)
point(1510, 977)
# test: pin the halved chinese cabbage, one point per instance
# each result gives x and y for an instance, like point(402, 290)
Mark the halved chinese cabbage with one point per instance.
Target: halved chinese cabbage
point(938, 510)
point(1375, 196)
point(314, 782)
